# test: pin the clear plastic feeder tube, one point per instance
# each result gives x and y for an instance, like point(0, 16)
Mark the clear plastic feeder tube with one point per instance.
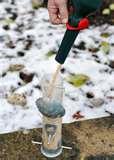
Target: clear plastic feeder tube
point(52, 127)
point(51, 137)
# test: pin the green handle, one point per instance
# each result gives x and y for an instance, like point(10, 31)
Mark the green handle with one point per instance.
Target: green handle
point(66, 45)
point(81, 9)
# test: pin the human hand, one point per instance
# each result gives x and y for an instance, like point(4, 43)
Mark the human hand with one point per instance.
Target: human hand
point(58, 11)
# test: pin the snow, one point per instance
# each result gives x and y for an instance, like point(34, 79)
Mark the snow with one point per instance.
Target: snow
point(48, 37)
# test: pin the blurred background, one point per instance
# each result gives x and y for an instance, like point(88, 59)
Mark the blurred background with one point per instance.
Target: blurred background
point(28, 45)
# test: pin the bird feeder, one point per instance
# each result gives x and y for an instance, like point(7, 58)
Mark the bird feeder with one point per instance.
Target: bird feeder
point(52, 111)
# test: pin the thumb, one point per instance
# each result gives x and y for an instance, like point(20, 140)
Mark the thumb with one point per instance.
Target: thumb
point(63, 11)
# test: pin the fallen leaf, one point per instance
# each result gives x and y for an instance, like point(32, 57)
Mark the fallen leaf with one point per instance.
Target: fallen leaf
point(105, 47)
point(77, 115)
point(36, 4)
point(105, 35)
point(17, 99)
point(78, 79)
point(50, 53)
point(16, 67)
point(106, 11)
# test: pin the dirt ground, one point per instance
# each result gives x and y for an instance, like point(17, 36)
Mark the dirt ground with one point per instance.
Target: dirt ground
point(90, 140)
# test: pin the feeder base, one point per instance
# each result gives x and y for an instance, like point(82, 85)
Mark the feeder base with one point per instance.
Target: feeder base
point(51, 154)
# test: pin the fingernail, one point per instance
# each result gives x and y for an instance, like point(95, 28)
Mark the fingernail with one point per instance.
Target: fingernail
point(64, 20)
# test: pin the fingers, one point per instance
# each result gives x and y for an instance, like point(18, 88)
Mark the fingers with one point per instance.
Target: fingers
point(63, 11)
point(53, 12)
point(58, 11)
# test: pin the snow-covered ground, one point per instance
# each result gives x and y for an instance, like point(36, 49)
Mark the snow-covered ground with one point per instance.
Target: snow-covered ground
point(32, 27)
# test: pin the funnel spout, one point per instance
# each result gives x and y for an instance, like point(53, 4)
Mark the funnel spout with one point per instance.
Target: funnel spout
point(66, 45)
